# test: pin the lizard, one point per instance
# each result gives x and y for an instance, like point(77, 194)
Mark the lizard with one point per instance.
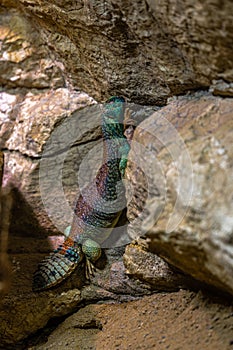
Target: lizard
point(94, 213)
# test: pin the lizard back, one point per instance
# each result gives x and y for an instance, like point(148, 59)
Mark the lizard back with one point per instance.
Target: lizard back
point(98, 206)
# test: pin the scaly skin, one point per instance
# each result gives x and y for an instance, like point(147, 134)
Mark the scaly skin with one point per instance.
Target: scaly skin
point(93, 221)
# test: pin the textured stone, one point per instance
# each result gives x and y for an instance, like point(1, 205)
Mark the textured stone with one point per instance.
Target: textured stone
point(27, 120)
point(150, 268)
point(33, 156)
point(5, 215)
point(145, 50)
point(221, 88)
point(26, 60)
point(181, 174)
point(1, 167)
point(180, 320)
point(23, 312)
point(20, 319)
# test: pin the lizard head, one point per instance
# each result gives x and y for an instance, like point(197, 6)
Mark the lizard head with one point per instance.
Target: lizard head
point(116, 99)
point(114, 108)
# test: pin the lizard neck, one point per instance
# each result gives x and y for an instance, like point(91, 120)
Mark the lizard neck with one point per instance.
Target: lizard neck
point(113, 133)
point(102, 202)
point(109, 174)
point(112, 127)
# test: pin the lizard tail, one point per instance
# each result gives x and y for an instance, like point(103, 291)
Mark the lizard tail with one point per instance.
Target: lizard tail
point(57, 266)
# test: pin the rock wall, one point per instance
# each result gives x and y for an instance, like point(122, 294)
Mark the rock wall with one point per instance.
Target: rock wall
point(180, 174)
point(1, 167)
point(145, 50)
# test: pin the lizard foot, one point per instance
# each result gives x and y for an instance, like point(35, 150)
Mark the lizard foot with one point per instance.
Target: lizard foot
point(92, 251)
point(90, 269)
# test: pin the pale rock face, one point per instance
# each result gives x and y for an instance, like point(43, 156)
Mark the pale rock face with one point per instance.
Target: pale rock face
point(35, 100)
point(186, 154)
point(25, 140)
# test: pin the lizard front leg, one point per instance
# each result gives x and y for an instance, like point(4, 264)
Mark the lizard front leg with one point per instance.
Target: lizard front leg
point(92, 252)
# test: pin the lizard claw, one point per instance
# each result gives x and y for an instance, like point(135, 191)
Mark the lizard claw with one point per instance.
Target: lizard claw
point(89, 269)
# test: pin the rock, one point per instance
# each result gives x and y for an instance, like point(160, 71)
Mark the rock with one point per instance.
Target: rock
point(144, 50)
point(23, 312)
point(27, 62)
point(161, 321)
point(48, 139)
point(180, 190)
point(25, 318)
point(27, 120)
point(221, 88)
point(150, 268)
point(5, 212)
point(1, 167)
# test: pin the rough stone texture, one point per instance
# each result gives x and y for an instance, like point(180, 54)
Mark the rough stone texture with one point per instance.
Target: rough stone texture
point(182, 320)
point(23, 312)
point(221, 88)
point(1, 267)
point(5, 211)
point(150, 268)
point(38, 115)
point(185, 151)
point(35, 100)
point(1, 166)
point(37, 104)
point(26, 60)
point(145, 50)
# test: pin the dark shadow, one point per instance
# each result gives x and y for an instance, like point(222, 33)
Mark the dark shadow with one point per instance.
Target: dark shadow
point(23, 219)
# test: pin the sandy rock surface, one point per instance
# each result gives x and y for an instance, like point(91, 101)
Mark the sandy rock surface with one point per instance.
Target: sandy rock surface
point(182, 320)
